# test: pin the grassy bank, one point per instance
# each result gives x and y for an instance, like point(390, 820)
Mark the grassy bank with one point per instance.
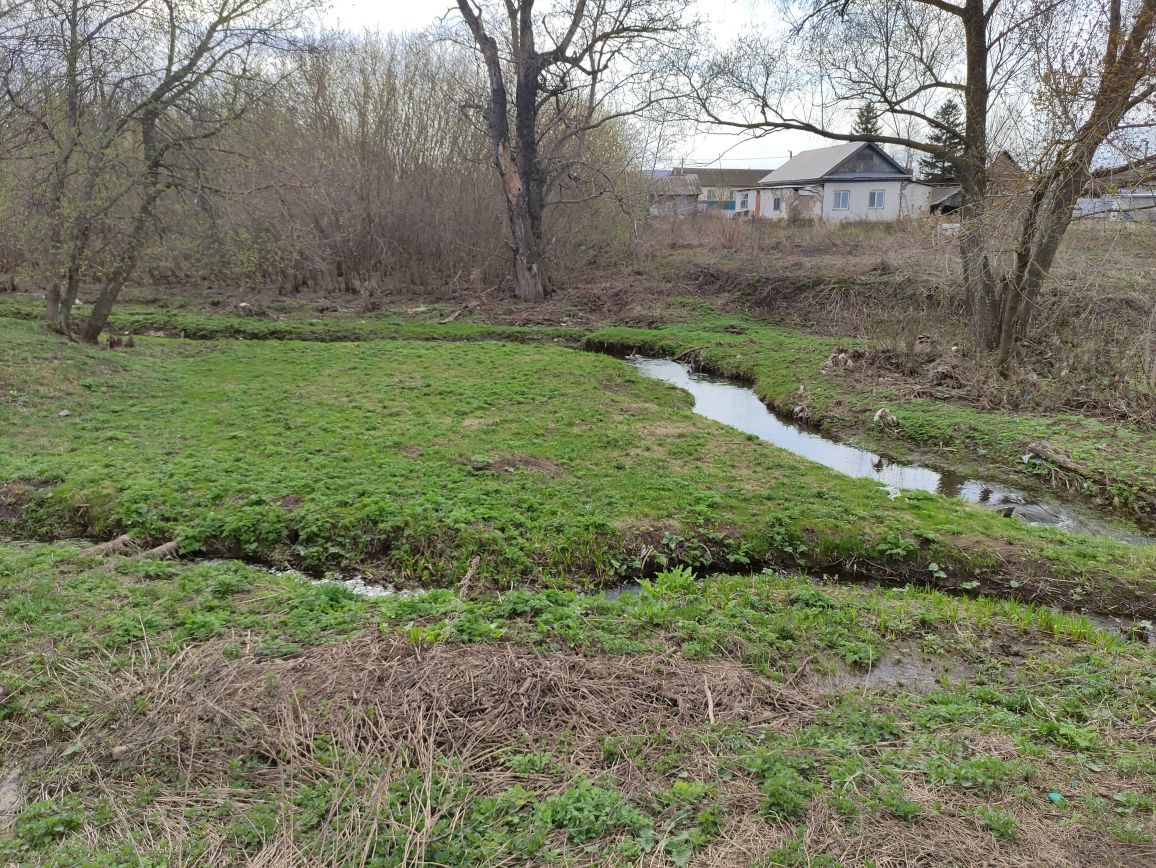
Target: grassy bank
point(160, 713)
point(418, 325)
point(790, 371)
point(489, 463)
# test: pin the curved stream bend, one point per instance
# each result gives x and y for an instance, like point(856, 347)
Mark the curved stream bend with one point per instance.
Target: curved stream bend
point(739, 407)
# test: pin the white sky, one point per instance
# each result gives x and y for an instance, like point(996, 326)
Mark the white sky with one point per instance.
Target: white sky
point(725, 16)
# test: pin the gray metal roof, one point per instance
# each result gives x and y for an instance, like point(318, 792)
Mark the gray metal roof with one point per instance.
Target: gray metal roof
point(674, 185)
point(810, 166)
point(725, 177)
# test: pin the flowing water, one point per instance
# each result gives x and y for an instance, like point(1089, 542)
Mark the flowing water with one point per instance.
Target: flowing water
point(739, 407)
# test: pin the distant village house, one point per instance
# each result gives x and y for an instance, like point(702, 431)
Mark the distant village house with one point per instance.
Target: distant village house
point(1125, 195)
point(853, 181)
point(719, 186)
point(672, 195)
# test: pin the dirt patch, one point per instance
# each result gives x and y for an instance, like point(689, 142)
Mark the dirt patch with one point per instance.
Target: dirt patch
point(515, 461)
point(11, 503)
point(472, 422)
point(289, 503)
point(14, 497)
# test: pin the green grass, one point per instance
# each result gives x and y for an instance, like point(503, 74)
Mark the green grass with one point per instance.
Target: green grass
point(512, 464)
point(114, 671)
point(144, 320)
point(786, 371)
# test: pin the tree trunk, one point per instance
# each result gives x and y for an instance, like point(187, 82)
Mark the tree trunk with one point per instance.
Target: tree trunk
point(529, 283)
point(56, 315)
point(154, 186)
point(523, 182)
point(979, 283)
point(101, 308)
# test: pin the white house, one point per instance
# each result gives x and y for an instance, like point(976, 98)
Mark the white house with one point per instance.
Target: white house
point(854, 181)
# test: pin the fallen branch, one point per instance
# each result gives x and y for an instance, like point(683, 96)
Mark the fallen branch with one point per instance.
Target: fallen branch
point(709, 699)
point(167, 551)
point(120, 545)
point(1053, 456)
point(453, 316)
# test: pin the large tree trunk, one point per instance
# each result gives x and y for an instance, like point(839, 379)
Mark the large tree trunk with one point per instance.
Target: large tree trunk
point(59, 300)
point(523, 184)
point(530, 285)
point(979, 283)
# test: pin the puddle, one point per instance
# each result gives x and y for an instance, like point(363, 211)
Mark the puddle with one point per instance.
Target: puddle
point(907, 672)
point(11, 797)
point(1133, 631)
point(740, 408)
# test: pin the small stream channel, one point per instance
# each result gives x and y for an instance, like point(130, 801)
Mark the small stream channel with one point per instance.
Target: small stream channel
point(739, 407)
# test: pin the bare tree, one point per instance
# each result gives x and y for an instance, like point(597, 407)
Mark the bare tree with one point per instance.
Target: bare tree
point(573, 67)
point(112, 96)
point(1085, 68)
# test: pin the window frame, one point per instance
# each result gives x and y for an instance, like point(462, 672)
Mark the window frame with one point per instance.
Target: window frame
point(846, 206)
point(744, 201)
point(882, 194)
point(777, 204)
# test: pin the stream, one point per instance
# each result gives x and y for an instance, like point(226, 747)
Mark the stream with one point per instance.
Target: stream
point(739, 407)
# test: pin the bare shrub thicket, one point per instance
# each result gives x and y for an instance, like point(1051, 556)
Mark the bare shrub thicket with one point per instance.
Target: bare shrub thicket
point(357, 173)
point(354, 165)
point(103, 103)
point(366, 174)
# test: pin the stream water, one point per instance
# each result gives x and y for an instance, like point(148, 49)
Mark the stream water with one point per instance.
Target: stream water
point(739, 407)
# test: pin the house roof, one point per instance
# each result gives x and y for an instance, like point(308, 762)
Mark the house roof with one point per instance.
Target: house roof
point(736, 178)
point(675, 185)
point(1135, 174)
point(939, 195)
point(811, 166)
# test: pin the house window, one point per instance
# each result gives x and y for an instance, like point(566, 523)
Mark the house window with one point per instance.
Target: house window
point(842, 200)
point(711, 194)
point(777, 205)
point(875, 199)
point(744, 201)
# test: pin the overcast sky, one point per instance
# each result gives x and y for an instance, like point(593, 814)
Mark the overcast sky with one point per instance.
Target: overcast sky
point(726, 17)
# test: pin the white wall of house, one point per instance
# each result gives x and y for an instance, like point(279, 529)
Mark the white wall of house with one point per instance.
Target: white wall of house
point(900, 200)
point(790, 203)
point(915, 200)
point(854, 200)
point(746, 201)
point(1138, 206)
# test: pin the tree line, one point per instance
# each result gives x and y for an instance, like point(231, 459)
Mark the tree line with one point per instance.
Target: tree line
point(225, 140)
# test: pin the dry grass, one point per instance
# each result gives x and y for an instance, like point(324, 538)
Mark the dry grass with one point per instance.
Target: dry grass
point(1092, 348)
point(368, 713)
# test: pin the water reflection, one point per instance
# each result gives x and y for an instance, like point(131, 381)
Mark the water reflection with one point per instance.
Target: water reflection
point(739, 407)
